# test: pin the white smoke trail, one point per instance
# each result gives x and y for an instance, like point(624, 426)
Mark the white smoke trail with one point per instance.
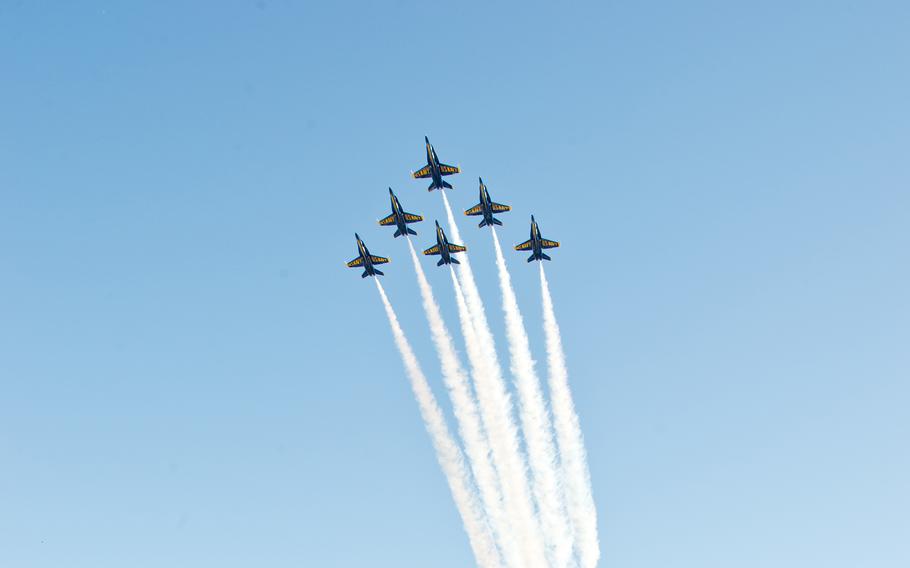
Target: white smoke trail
point(465, 409)
point(447, 451)
point(579, 499)
point(508, 543)
point(496, 406)
point(535, 423)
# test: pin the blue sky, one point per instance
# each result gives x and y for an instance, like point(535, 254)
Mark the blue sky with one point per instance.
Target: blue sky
point(190, 377)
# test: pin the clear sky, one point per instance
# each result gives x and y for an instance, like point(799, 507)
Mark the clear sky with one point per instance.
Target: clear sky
point(190, 377)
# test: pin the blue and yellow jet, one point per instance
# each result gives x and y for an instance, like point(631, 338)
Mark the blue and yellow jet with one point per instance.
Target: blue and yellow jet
point(400, 218)
point(487, 208)
point(536, 243)
point(434, 169)
point(366, 260)
point(444, 248)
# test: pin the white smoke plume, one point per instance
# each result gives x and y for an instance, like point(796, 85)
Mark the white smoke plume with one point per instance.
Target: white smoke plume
point(447, 451)
point(535, 424)
point(579, 498)
point(464, 407)
point(496, 406)
point(511, 552)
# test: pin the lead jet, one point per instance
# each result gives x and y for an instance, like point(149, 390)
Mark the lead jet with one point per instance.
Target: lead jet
point(434, 169)
point(487, 208)
point(400, 218)
point(536, 243)
point(444, 248)
point(366, 260)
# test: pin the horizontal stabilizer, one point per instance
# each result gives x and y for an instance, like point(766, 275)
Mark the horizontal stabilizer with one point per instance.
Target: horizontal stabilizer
point(544, 256)
point(412, 231)
point(453, 260)
point(497, 221)
point(441, 262)
point(397, 233)
point(446, 185)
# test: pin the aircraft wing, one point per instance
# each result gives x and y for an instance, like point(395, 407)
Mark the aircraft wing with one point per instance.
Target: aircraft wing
point(447, 170)
point(432, 250)
point(356, 262)
point(411, 218)
point(457, 248)
point(476, 210)
point(548, 244)
point(423, 172)
point(524, 246)
point(390, 220)
point(378, 259)
point(500, 208)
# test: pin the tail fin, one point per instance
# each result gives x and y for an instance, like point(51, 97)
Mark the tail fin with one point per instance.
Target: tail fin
point(441, 262)
point(446, 185)
point(453, 260)
point(397, 233)
point(412, 231)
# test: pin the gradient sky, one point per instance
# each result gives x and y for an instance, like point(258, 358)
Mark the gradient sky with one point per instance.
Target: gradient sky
point(190, 377)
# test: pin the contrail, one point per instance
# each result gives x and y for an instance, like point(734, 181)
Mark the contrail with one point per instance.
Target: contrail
point(496, 406)
point(535, 423)
point(447, 451)
point(579, 499)
point(465, 409)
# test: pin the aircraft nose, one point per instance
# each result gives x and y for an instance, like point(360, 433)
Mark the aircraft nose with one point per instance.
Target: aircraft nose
point(390, 191)
point(426, 139)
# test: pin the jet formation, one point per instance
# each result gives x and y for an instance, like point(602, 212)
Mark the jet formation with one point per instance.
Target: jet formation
point(487, 208)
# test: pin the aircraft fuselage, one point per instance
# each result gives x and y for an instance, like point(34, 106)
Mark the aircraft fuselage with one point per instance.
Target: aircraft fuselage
point(443, 243)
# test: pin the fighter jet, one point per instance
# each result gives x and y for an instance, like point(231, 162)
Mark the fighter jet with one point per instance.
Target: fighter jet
point(366, 260)
point(444, 248)
point(487, 208)
point(435, 169)
point(536, 243)
point(400, 218)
